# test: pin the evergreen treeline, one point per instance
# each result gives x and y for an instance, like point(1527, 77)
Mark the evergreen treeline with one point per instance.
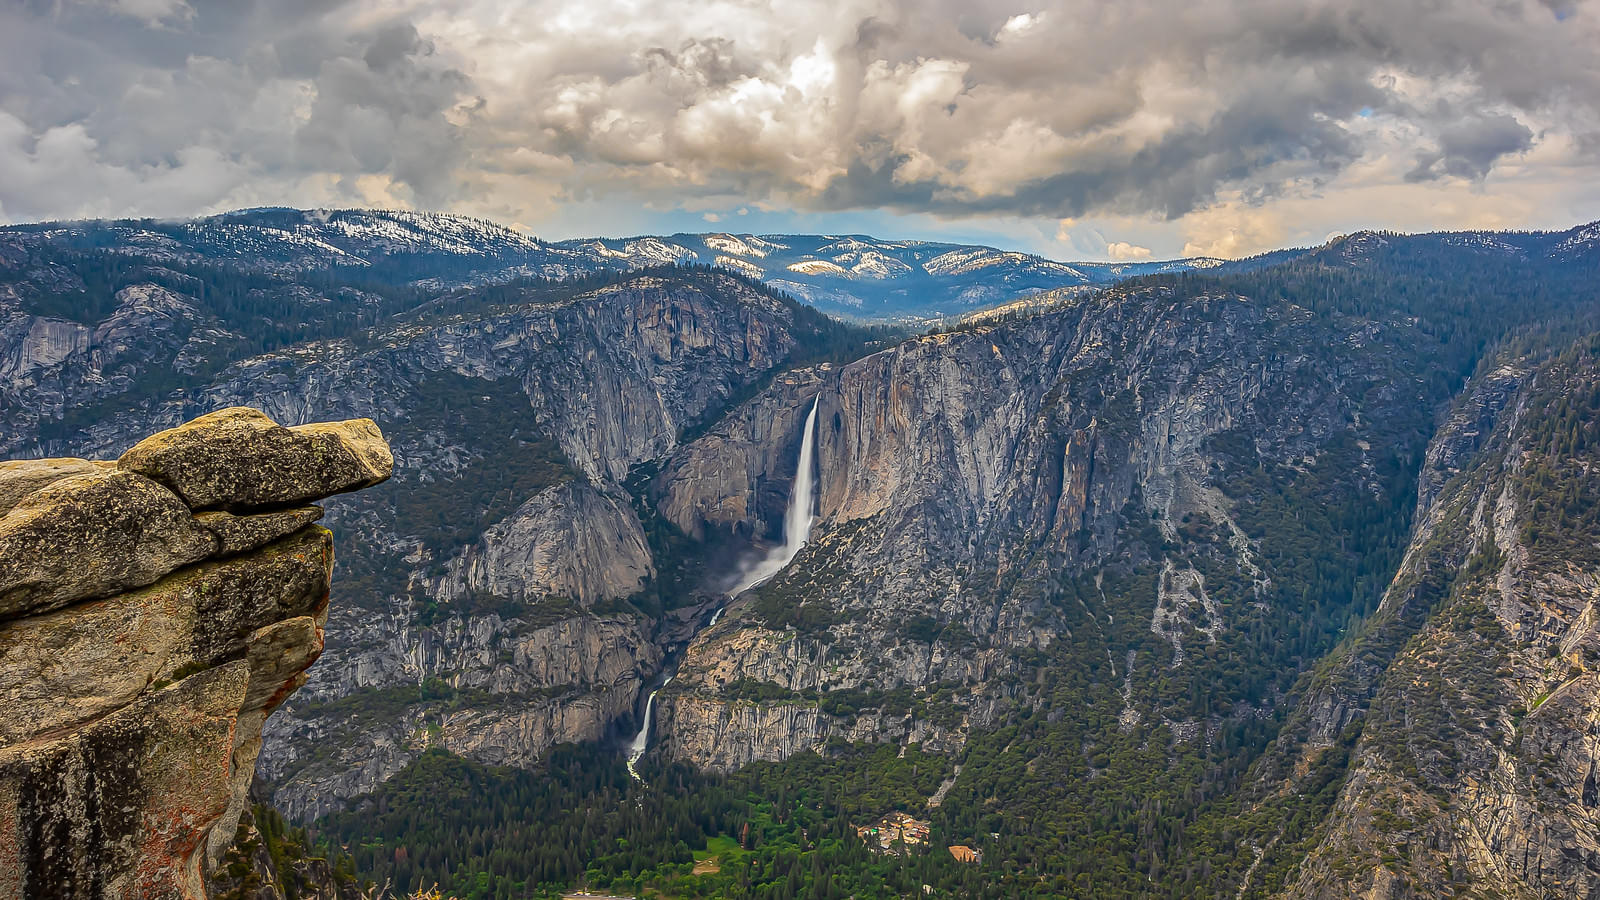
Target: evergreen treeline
point(770, 831)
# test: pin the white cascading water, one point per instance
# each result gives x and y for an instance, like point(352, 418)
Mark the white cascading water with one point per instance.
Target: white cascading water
point(797, 518)
point(641, 741)
point(797, 521)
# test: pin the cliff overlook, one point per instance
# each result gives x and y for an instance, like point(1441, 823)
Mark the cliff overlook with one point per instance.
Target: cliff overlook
point(154, 610)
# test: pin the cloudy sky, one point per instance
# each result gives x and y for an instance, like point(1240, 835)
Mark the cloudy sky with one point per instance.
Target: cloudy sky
point(1076, 128)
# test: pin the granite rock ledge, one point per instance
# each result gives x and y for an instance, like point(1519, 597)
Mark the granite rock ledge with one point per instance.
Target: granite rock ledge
point(153, 612)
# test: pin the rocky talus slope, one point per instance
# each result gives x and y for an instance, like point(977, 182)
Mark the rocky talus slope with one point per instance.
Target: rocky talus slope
point(154, 610)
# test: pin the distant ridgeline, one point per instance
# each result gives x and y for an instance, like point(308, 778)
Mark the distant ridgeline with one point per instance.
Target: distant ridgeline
point(1271, 579)
point(853, 275)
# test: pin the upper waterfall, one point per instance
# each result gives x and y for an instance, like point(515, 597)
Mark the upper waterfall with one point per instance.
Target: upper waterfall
point(797, 518)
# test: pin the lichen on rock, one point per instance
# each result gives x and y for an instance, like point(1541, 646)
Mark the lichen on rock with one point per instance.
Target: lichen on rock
point(93, 535)
point(21, 477)
point(240, 534)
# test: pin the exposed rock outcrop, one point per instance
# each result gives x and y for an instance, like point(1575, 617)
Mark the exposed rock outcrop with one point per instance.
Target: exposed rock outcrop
point(502, 687)
point(573, 541)
point(1477, 759)
point(240, 459)
point(142, 647)
point(21, 477)
point(724, 736)
point(88, 536)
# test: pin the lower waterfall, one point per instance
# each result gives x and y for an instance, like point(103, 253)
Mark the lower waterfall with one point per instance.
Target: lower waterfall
point(641, 741)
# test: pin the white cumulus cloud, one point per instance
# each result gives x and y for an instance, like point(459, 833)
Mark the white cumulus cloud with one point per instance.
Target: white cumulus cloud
point(1122, 250)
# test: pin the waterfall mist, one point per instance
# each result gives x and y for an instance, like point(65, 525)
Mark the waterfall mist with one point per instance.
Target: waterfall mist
point(797, 518)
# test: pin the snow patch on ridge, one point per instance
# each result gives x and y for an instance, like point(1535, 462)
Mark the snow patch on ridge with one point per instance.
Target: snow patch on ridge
point(650, 250)
point(743, 245)
point(819, 267)
point(739, 265)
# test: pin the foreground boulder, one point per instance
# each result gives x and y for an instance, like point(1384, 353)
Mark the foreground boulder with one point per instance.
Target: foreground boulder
point(87, 536)
point(239, 534)
point(143, 644)
point(124, 806)
point(76, 664)
point(239, 459)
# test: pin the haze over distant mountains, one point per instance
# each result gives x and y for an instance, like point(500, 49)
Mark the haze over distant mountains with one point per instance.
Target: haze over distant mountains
point(852, 275)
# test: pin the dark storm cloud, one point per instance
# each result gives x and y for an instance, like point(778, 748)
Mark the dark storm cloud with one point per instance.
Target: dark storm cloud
point(381, 110)
point(950, 107)
point(1287, 90)
point(1469, 148)
point(1269, 127)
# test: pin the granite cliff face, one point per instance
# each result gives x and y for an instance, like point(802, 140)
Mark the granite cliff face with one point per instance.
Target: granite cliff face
point(570, 541)
point(1190, 554)
point(489, 583)
point(145, 636)
point(513, 616)
point(1477, 757)
point(959, 473)
point(1147, 477)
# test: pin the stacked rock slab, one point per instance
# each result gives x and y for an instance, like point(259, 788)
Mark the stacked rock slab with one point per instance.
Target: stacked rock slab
point(153, 612)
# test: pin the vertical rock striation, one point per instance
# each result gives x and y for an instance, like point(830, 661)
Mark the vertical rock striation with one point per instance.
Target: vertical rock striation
point(961, 475)
point(1476, 687)
point(143, 644)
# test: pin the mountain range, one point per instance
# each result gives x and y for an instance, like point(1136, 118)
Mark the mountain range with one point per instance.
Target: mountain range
point(853, 275)
point(1267, 578)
